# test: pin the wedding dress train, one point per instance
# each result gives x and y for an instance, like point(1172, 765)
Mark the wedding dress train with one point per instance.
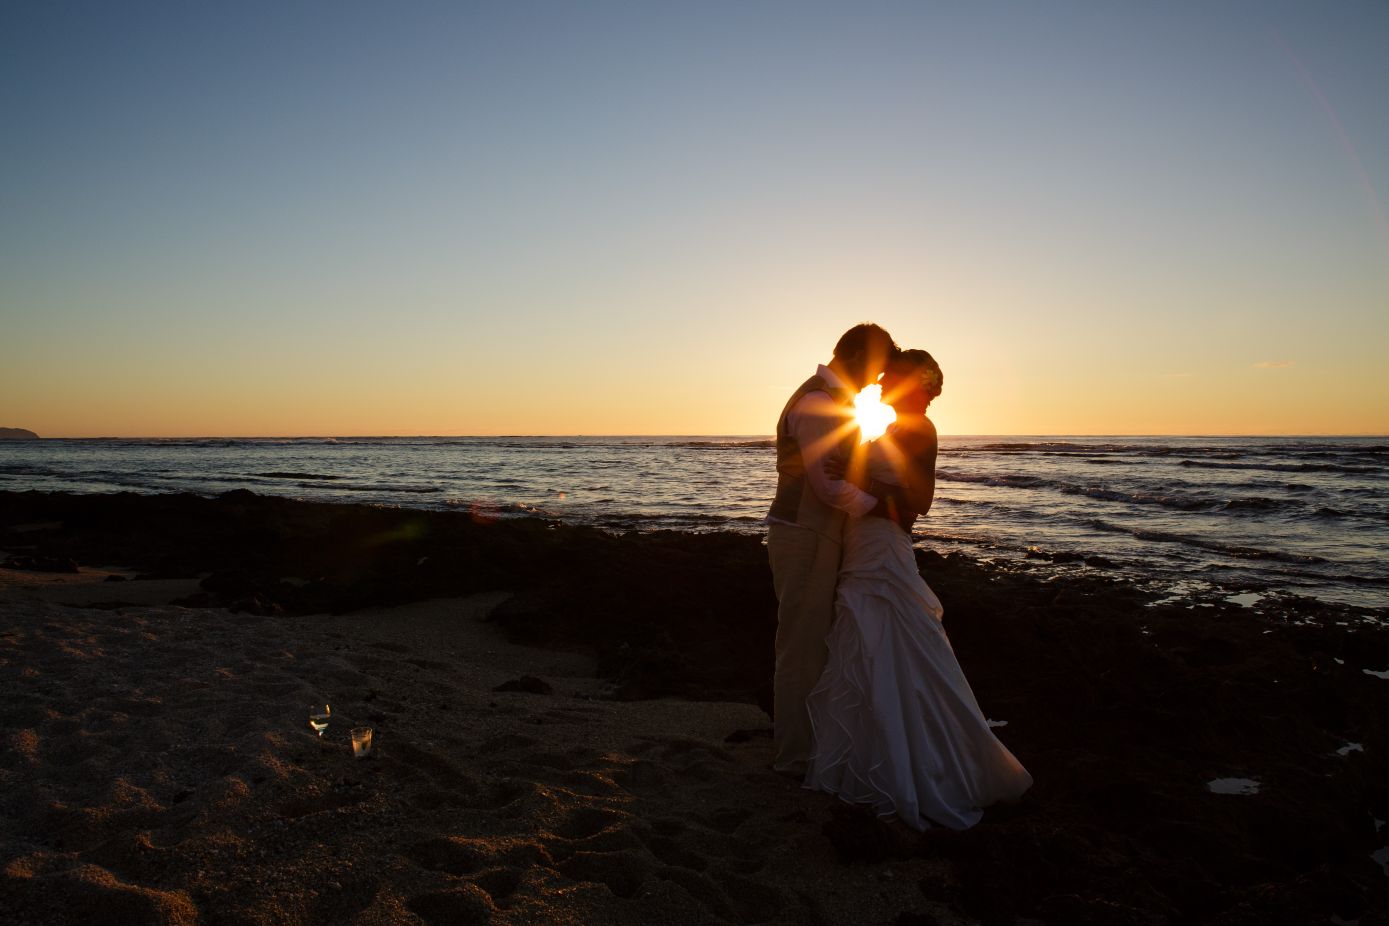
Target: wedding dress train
point(895, 723)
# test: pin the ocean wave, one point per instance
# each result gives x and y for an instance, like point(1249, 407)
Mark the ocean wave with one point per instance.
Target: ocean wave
point(1212, 496)
point(1255, 454)
point(1363, 491)
point(1242, 503)
point(484, 505)
point(1253, 503)
point(1172, 500)
point(284, 475)
point(1071, 448)
point(1064, 447)
point(1238, 551)
point(641, 517)
point(520, 445)
point(211, 442)
point(1333, 450)
point(1285, 467)
point(23, 470)
point(1176, 502)
point(1010, 480)
point(723, 445)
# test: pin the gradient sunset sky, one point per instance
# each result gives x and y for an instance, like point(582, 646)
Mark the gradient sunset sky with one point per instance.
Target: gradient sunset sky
point(411, 218)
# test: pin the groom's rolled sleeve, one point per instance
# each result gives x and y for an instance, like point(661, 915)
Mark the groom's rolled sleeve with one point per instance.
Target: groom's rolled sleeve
point(818, 425)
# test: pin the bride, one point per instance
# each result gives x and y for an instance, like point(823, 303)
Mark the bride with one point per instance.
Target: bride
point(895, 723)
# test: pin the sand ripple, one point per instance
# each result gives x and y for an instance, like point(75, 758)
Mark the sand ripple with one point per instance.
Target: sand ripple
point(159, 769)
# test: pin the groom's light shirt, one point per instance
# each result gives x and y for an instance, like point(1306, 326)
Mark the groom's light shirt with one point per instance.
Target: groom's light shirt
point(817, 423)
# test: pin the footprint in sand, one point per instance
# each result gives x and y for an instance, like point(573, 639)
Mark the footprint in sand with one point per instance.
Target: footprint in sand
point(565, 761)
point(682, 757)
point(726, 820)
point(571, 715)
point(441, 770)
point(604, 846)
point(455, 855)
point(343, 903)
point(435, 799)
point(499, 883)
point(92, 894)
point(464, 855)
point(465, 905)
point(674, 852)
point(621, 872)
point(584, 822)
point(320, 803)
point(433, 664)
point(507, 742)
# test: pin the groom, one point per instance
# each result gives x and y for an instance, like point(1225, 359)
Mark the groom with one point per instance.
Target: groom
point(806, 525)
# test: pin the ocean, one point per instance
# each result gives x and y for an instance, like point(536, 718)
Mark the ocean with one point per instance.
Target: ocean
point(1242, 517)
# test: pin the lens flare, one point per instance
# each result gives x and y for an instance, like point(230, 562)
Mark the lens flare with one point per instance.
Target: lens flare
point(872, 415)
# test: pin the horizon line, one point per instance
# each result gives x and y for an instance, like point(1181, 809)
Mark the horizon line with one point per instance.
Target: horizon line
point(663, 435)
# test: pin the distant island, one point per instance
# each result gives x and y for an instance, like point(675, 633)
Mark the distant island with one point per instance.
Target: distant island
point(17, 434)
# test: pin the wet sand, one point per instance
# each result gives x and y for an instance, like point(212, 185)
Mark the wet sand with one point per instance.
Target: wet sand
point(158, 765)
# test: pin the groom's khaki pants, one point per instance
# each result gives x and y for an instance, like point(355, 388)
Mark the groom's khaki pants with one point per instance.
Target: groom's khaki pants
point(805, 570)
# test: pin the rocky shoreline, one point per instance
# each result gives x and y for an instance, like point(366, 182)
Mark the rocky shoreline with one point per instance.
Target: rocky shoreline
point(1124, 709)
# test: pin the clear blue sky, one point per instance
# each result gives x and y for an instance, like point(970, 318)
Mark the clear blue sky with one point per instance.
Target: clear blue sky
point(655, 218)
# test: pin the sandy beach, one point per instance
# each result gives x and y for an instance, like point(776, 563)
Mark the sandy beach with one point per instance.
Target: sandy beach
point(555, 744)
point(159, 769)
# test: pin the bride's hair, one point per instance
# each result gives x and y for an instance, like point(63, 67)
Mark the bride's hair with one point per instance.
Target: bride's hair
point(915, 378)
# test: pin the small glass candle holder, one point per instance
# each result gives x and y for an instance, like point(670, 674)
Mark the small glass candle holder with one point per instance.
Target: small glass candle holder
point(319, 715)
point(361, 742)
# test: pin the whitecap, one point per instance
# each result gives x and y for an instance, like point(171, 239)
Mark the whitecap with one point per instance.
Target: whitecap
point(1382, 673)
point(1348, 748)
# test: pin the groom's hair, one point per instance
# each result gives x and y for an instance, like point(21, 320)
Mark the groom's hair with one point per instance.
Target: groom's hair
point(866, 338)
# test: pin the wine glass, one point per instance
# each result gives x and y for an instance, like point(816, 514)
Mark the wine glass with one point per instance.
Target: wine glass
point(318, 717)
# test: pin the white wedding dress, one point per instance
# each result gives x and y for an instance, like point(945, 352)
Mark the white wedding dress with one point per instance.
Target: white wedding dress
point(896, 725)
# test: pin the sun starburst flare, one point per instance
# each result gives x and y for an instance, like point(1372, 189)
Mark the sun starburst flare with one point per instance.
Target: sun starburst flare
point(872, 415)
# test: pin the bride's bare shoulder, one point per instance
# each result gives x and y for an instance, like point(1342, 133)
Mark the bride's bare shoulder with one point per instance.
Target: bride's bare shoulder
point(915, 433)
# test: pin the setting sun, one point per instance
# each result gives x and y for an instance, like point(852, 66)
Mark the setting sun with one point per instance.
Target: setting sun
point(873, 416)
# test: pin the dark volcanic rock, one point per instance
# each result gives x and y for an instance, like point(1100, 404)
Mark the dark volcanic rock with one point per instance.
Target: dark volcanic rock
point(527, 684)
point(17, 434)
point(42, 563)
